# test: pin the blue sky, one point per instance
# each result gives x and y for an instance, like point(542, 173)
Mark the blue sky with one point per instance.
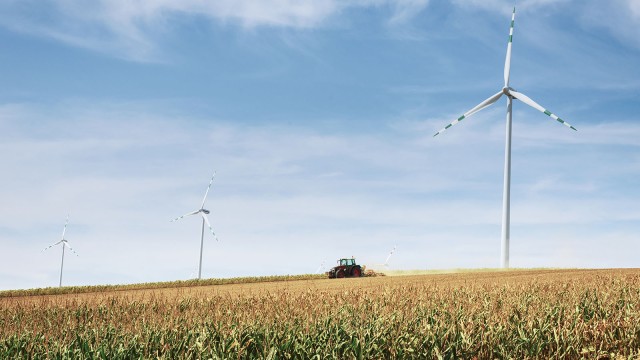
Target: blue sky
point(318, 117)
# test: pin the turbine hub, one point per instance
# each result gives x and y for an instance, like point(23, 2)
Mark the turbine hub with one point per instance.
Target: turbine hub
point(204, 211)
point(505, 90)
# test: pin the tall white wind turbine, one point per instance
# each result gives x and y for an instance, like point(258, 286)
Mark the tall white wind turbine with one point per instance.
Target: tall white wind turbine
point(511, 94)
point(64, 243)
point(203, 212)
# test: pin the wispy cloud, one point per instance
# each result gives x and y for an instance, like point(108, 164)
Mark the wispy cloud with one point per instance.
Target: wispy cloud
point(134, 29)
point(319, 151)
point(621, 18)
point(404, 10)
point(125, 169)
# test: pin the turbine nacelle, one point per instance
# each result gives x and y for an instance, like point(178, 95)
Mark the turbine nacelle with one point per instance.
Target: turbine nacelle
point(204, 211)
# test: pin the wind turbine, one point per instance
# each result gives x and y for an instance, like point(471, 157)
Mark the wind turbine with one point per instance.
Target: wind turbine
point(64, 243)
point(386, 262)
point(320, 267)
point(385, 266)
point(203, 212)
point(511, 94)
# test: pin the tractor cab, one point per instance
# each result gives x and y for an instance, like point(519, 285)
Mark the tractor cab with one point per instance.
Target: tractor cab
point(347, 262)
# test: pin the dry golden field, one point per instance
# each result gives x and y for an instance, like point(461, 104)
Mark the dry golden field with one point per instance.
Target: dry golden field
point(491, 314)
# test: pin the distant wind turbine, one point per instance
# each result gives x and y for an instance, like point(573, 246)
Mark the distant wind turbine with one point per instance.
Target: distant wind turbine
point(203, 212)
point(320, 267)
point(64, 243)
point(385, 265)
point(511, 94)
point(386, 262)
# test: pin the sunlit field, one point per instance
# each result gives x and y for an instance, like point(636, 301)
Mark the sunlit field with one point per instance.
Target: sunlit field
point(487, 314)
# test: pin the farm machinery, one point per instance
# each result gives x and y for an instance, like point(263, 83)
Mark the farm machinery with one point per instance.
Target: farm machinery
point(346, 268)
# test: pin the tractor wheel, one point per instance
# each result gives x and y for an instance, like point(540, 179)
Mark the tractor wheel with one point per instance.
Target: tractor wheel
point(356, 272)
point(340, 274)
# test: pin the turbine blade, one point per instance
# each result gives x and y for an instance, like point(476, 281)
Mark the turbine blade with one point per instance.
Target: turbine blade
point(207, 192)
point(477, 108)
point(66, 243)
point(525, 99)
point(185, 215)
point(386, 262)
point(65, 227)
point(209, 225)
point(50, 246)
point(507, 61)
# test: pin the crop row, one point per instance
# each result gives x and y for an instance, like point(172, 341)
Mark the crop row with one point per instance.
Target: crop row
point(156, 285)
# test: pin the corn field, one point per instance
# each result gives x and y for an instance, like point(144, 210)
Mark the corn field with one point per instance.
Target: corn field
point(157, 285)
point(521, 314)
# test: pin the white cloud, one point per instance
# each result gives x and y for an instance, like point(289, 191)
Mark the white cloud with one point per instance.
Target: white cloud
point(124, 170)
point(137, 30)
point(635, 8)
point(620, 18)
point(506, 6)
point(404, 10)
point(134, 29)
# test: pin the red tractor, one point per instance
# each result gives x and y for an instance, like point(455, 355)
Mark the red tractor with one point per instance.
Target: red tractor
point(346, 268)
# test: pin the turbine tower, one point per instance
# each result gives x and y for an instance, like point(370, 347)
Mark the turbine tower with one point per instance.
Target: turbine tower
point(203, 212)
point(64, 243)
point(511, 94)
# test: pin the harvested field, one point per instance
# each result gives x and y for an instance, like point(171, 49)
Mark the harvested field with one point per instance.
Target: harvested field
point(489, 314)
